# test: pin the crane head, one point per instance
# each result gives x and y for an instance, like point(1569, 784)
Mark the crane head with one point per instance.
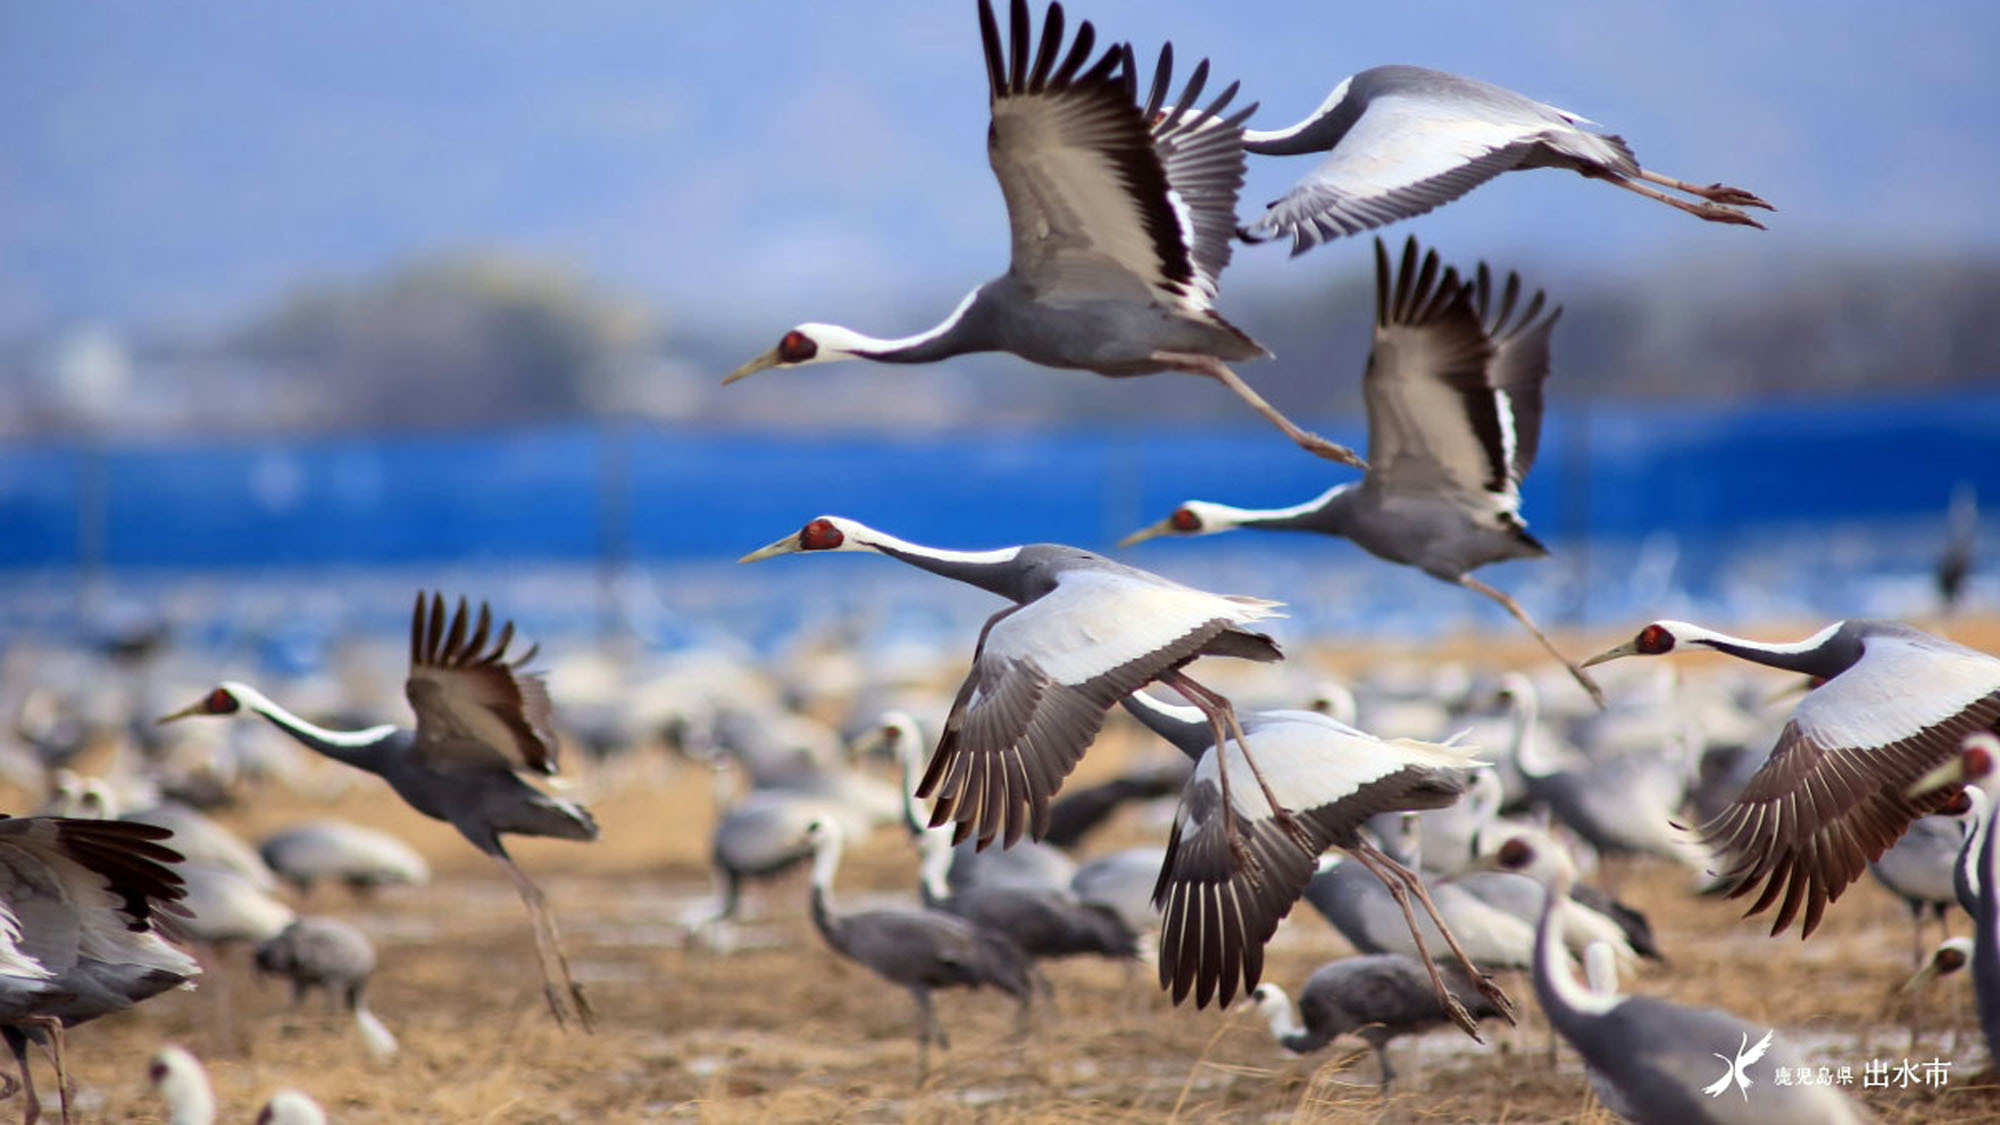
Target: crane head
point(221, 700)
point(827, 533)
point(1977, 755)
point(1195, 517)
point(1655, 639)
point(808, 343)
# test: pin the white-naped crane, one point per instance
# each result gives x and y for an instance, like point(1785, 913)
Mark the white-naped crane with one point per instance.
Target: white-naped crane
point(1401, 140)
point(1453, 389)
point(1965, 772)
point(1378, 997)
point(914, 947)
point(1664, 1062)
point(1123, 214)
point(81, 906)
point(291, 1107)
point(1083, 633)
point(482, 722)
point(1893, 703)
point(1226, 883)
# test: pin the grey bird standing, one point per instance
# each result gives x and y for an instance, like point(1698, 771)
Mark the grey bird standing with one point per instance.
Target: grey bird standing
point(1401, 140)
point(1454, 395)
point(1661, 1060)
point(481, 723)
point(914, 948)
point(1377, 997)
point(319, 952)
point(1122, 216)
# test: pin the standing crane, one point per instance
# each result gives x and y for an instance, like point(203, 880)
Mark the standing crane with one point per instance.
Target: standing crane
point(481, 723)
point(1892, 704)
point(1454, 395)
point(1122, 215)
point(1401, 140)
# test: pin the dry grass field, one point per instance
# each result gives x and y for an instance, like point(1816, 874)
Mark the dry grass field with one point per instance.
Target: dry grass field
point(786, 1032)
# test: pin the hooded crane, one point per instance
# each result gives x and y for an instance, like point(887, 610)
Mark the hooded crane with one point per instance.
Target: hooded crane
point(1379, 997)
point(319, 952)
point(81, 903)
point(1401, 140)
point(914, 947)
point(1223, 889)
point(1122, 216)
point(481, 722)
point(1893, 704)
point(1083, 633)
point(1661, 1060)
point(1454, 395)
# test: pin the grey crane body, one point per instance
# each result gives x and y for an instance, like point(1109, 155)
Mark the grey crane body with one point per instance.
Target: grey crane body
point(1043, 922)
point(1377, 997)
point(1354, 901)
point(1402, 140)
point(1986, 919)
point(1666, 1063)
point(915, 948)
point(1893, 704)
point(318, 952)
point(1122, 212)
point(1083, 632)
point(363, 858)
point(1454, 394)
point(482, 721)
point(1923, 869)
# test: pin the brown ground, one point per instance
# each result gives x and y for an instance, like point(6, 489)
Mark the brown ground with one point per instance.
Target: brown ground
point(791, 1033)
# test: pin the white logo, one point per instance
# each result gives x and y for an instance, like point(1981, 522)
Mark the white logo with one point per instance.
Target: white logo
point(1745, 1055)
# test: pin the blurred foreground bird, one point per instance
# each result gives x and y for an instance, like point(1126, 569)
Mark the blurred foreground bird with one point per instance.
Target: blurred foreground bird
point(329, 849)
point(1378, 997)
point(81, 903)
point(481, 722)
point(1454, 395)
point(1893, 703)
point(1401, 140)
point(1122, 216)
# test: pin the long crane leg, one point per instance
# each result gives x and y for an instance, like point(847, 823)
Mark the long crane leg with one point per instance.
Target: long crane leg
point(1715, 193)
point(558, 986)
point(1714, 212)
point(1215, 369)
point(1507, 602)
point(1222, 713)
point(1392, 873)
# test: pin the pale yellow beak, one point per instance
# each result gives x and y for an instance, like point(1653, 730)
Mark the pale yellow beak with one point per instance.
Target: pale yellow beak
point(768, 359)
point(786, 546)
point(1629, 648)
point(189, 711)
point(1154, 531)
point(1951, 773)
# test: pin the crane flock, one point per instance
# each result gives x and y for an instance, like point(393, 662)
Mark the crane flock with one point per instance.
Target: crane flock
point(1121, 193)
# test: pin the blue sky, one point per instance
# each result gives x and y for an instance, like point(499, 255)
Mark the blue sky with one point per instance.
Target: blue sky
point(756, 164)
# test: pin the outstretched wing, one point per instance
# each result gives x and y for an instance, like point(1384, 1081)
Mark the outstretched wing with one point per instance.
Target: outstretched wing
point(1756, 1050)
point(1043, 678)
point(475, 707)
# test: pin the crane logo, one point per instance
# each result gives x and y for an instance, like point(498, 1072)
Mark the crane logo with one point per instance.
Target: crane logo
point(1746, 1054)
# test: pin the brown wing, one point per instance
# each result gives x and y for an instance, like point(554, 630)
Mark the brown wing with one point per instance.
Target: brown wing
point(1043, 677)
point(474, 706)
point(1812, 819)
